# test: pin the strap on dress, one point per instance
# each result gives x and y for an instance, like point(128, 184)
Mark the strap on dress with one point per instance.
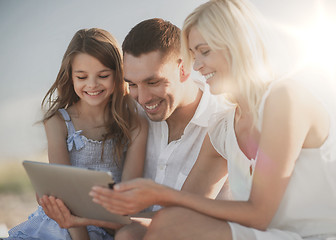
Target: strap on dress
point(74, 137)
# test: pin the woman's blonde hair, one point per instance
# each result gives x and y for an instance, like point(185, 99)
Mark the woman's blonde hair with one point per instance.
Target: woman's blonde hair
point(121, 110)
point(235, 27)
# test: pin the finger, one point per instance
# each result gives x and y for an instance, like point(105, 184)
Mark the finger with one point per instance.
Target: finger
point(121, 211)
point(38, 199)
point(128, 185)
point(69, 219)
point(112, 205)
point(45, 204)
point(53, 205)
point(102, 191)
point(114, 199)
point(55, 212)
point(123, 186)
point(123, 207)
point(116, 202)
point(62, 208)
point(107, 195)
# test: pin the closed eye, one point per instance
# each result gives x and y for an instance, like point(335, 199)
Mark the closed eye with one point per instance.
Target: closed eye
point(204, 53)
point(131, 84)
point(105, 76)
point(154, 82)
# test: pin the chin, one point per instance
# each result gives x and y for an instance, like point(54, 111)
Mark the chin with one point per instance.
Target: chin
point(216, 91)
point(155, 117)
point(217, 88)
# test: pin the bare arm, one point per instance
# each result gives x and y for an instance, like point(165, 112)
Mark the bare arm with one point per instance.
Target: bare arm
point(56, 132)
point(279, 148)
point(295, 114)
point(209, 172)
point(136, 152)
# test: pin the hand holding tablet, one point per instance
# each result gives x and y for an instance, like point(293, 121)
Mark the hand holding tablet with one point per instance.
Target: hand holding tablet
point(72, 185)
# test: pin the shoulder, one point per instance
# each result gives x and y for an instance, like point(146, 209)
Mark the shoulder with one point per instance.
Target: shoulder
point(284, 89)
point(290, 103)
point(55, 124)
point(143, 121)
point(141, 128)
point(288, 95)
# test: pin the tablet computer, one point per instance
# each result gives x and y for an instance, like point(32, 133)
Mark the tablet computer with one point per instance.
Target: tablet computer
point(72, 185)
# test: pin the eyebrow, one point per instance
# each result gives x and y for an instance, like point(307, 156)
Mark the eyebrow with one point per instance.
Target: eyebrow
point(144, 80)
point(104, 70)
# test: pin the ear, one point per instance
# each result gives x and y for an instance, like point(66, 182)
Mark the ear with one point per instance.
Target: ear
point(184, 75)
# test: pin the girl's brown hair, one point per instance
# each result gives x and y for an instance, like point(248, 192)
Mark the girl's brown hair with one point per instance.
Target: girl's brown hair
point(121, 110)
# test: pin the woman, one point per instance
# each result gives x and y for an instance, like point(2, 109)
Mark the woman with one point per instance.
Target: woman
point(278, 143)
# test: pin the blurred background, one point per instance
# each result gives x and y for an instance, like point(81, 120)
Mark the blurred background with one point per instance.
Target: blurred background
point(34, 37)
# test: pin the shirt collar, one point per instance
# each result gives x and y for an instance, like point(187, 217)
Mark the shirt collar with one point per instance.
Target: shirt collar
point(206, 107)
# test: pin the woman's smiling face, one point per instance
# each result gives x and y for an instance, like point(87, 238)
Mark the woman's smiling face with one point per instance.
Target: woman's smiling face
point(212, 64)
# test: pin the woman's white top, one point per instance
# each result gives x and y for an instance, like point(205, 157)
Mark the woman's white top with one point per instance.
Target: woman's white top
point(308, 206)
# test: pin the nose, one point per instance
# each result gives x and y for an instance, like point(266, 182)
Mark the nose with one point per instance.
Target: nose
point(143, 95)
point(197, 65)
point(92, 82)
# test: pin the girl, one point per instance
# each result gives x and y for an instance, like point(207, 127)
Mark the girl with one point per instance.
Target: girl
point(277, 143)
point(91, 122)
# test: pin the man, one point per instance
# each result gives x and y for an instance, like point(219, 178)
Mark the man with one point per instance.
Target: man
point(178, 107)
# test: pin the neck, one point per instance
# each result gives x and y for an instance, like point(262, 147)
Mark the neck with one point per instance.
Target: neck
point(93, 114)
point(183, 114)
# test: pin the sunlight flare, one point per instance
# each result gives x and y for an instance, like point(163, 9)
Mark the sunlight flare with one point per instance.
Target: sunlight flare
point(317, 40)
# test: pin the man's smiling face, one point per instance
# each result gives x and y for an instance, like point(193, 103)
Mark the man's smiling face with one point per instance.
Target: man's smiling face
point(154, 83)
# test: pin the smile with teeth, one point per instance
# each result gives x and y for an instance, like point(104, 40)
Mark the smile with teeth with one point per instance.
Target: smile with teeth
point(94, 93)
point(152, 106)
point(209, 75)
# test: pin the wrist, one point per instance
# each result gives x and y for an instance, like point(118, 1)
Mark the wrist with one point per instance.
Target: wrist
point(167, 196)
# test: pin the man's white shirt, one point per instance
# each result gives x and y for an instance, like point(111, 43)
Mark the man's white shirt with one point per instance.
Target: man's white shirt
point(170, 163)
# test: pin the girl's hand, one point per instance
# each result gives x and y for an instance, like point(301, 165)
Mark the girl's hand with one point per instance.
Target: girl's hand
point(129, 197)
point(37, 199)
point(56, 210)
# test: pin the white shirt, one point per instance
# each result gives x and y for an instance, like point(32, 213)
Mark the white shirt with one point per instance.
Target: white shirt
point(308, 206)
point(170, 164)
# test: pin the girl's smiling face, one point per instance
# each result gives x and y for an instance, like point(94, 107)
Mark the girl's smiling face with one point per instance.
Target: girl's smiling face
point(93, 82)
point(212, 64)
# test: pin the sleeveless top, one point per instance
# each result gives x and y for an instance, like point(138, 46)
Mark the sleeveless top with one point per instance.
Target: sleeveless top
point(86, 152)
point(308, 206)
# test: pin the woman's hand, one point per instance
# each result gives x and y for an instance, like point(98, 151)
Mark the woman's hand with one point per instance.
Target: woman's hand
point(130, 197)
point(56, 210)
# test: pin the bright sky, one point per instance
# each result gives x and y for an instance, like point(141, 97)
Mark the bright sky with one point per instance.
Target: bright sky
point(35, 34)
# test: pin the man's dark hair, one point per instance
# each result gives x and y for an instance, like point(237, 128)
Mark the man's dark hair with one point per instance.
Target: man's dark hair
point(152, 35)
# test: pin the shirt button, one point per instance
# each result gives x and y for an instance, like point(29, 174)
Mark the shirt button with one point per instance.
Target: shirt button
point(162, 167)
